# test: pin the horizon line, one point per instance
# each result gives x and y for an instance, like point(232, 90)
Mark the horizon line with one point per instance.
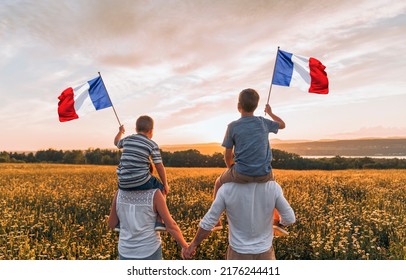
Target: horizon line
point(280, 141)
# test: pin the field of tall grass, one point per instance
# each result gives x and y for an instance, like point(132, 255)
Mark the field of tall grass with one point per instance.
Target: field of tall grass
point(50, 211)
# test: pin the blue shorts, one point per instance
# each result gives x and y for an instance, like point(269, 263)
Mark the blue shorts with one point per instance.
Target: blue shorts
point(152, 183)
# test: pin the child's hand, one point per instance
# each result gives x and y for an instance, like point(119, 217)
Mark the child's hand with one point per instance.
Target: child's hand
point(268, 109)
point(121, 129)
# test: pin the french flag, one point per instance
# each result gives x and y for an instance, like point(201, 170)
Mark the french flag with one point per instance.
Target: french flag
point(75, 102)
point(306, 73)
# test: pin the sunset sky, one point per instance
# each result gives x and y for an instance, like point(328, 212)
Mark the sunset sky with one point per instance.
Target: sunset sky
point(184, 63)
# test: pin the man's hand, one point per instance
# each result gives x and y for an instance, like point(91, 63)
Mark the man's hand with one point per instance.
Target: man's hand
point(184, 249)
point(188, 253)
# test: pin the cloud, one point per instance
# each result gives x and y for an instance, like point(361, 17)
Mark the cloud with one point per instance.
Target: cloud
point(184, 62)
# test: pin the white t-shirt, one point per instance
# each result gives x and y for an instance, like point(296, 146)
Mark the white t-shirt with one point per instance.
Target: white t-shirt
point(135, 211)
point(250, 210)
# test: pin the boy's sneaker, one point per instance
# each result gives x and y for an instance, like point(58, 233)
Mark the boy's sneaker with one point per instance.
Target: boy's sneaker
point(159, 226)
point(218, 226)
point(117, 228)
point(278, 231)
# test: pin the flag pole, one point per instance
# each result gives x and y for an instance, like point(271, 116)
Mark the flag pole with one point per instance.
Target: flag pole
point(273, 74)
point(115, 113)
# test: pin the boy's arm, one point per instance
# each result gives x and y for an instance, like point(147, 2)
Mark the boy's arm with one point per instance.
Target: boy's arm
point(277, 119)
point(229, 157)
point(160, 168)
point(120, 133)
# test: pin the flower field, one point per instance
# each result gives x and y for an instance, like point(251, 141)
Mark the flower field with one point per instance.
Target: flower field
point(50, 211)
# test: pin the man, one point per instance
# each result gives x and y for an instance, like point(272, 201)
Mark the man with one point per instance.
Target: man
point(250, 209)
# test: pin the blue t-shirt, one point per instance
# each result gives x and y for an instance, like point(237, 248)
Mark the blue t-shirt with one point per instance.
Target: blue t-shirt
point(249, 137)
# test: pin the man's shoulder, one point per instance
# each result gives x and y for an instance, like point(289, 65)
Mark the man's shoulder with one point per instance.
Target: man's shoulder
point(231, 191)
point(238, 186)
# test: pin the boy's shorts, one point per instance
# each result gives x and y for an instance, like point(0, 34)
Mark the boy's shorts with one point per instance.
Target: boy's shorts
point(152, 183)
point(230, 175)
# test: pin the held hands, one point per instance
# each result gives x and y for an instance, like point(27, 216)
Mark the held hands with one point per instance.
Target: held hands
point(187, 253)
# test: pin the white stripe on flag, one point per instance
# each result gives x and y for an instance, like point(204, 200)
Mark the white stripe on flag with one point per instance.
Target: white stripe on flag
point(83, 102)
point(301, 73)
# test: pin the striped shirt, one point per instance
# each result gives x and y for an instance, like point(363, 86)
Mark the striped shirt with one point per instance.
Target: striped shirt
point(133, 169)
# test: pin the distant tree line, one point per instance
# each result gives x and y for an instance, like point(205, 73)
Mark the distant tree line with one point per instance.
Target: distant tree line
point(89, 156)
point(285, 160)
point(193, 158)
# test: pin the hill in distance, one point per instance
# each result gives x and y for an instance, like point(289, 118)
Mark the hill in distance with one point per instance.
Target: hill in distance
point(390, 147)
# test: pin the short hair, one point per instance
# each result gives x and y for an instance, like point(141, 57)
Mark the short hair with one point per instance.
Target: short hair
point(144, 124)
point(248, 99)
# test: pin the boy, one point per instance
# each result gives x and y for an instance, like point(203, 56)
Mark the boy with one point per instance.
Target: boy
point(134, 171)
point(250, 160)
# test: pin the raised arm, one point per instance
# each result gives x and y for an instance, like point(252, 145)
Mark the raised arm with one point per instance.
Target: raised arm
point(274, 117)
point(120, 133)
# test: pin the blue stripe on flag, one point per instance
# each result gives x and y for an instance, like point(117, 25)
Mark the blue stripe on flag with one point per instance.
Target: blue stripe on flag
point(283, 69)
point(98, 94)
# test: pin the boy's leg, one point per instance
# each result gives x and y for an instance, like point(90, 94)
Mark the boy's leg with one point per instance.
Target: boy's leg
point(159, 223)
point(244, 179)
point(225, 177)
point(217, 185)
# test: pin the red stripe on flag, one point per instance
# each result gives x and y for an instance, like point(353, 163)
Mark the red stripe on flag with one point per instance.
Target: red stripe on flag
point(319, 80)
point(66, 106)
